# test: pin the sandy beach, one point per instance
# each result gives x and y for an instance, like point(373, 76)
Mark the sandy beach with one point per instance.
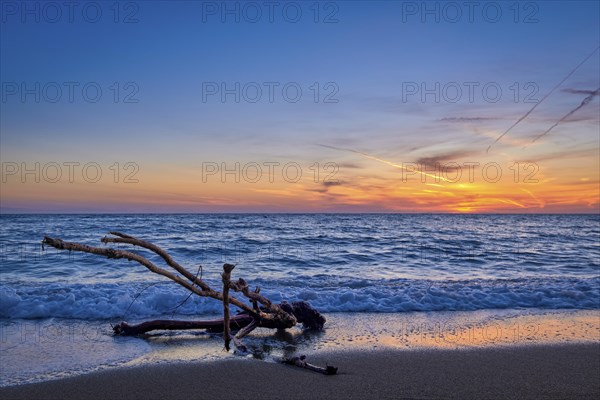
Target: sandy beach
point(197, 195)
point(517, 372)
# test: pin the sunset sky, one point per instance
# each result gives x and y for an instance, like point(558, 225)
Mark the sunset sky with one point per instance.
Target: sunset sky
point(398, 107)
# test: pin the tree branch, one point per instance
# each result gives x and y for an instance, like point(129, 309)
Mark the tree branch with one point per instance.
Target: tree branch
point(273, 316)
point(122, 238)
point(113, 253)
point(215, 325)
point(226, 275)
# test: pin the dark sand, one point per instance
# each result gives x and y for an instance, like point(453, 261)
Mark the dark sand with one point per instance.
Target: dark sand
point(516, 372)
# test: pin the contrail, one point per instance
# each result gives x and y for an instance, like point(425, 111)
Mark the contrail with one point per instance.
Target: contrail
point(583, 103)
point(543, 98)
point(540, 203)
point(385, 162)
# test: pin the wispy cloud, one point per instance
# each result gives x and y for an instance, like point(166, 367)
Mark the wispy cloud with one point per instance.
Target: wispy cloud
point(441, 161)
point(561, 155)
point(579, 91)
point(325, 186)
point(381, 160)
point(332, 183)
point(349, 165)
point(469, 119)
point(543, 98)
point(583, 103)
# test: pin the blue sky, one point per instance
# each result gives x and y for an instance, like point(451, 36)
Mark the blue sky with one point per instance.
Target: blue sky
point(367, 58)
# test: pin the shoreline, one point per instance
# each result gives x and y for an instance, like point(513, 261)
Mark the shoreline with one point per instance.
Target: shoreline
point(522, 371)
point(42, 351)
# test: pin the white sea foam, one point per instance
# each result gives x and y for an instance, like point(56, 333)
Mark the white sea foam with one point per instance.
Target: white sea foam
point(105, 301)
point(345, 263)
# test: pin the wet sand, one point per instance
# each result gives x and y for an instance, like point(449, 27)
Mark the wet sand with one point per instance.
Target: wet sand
point(517, 372)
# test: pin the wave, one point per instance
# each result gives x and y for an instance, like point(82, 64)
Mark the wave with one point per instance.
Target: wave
point(340, 263)
point(326, 293)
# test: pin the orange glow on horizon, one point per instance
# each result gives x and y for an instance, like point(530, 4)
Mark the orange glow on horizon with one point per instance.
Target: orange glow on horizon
point(494, 185)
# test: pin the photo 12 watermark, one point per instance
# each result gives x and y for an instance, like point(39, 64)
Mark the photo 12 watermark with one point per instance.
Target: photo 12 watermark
point(469, 92)
point(267, 253)
point(47, 332)
point(71, 12)
point(269, 92)
point(69, 92)
point(69, 172)
point(471, 12)
point(445, 333)
point(452, 252)
point(468, 172)
point(268, 172)
point(252, 12)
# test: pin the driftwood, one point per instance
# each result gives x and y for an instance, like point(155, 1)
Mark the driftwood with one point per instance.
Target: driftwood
point(226, 276)
point(302, 363)
point(213, 325)
point(262, 313)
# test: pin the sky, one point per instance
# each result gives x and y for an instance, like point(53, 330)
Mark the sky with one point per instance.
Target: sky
point(194, 106)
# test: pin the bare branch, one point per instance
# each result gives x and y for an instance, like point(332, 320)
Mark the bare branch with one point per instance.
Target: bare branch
point(122, 238)
point(113, 253)
point(237, 339)
point(226, 276)
point(272, 316)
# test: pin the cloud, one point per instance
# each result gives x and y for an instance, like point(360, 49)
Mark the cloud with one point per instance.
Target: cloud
point(469, 119)
point(579, 154)
point(325, 186)
point(349, 165)
point(583, 103)
point(580, 182)
point(440, 161)
point(331, 183)
point(542, 100)
point(579, 91)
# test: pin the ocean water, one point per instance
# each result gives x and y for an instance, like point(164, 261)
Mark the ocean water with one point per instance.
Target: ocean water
point(349, 263)
point(56, 307)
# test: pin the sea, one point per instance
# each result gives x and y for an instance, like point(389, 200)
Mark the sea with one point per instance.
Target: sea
point(56, 307)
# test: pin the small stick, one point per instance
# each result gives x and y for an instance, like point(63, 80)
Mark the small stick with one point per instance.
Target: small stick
point(301, 362)
point(237, 339)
